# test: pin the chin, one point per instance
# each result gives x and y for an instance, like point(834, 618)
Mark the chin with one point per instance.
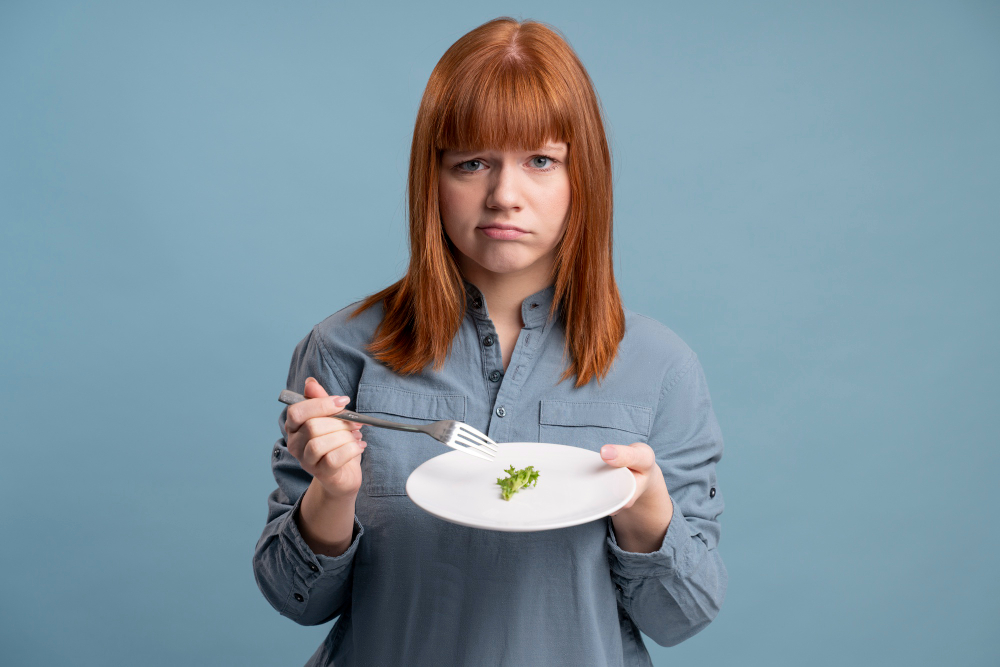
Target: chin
point(508, 261)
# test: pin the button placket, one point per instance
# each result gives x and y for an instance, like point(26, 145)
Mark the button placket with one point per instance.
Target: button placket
point(505, 402)
point(490, 355)
point(505, 386)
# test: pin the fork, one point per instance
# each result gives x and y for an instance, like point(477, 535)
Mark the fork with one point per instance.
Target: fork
point(455, 434)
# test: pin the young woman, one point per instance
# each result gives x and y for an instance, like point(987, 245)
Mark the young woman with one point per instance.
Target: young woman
point(509, 319)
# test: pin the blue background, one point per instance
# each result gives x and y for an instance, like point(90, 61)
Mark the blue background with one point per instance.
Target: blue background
point(806, 192)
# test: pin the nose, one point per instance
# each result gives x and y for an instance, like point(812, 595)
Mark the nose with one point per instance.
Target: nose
point(505, 191)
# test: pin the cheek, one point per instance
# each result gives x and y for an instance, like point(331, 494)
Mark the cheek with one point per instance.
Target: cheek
point(446, 207)
point(444, 200)
point(557, 207)
point(455, 203)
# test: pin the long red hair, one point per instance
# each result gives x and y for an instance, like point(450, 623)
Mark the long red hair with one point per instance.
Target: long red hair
point(507, 85)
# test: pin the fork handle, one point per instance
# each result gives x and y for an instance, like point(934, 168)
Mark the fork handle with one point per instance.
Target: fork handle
point(291, 398)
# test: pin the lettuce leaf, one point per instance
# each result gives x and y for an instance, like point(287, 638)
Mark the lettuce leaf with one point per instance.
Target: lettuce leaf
point(517, 480)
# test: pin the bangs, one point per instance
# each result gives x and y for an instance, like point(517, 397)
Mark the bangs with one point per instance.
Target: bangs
point(509, 106)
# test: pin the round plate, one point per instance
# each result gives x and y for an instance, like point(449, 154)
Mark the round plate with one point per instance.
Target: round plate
point(574, 486)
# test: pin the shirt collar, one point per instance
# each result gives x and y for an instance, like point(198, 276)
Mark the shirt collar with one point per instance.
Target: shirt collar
point(534, 309)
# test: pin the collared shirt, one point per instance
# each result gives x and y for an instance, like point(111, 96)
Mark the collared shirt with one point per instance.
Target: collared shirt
point(415, 590)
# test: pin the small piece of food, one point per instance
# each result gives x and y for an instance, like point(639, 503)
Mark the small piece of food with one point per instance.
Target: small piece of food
point(517, 480)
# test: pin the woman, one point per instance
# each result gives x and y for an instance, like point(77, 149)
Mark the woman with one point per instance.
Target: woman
point(509, 319)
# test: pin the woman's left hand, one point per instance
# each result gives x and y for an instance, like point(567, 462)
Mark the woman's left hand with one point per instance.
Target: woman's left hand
point(642, 523)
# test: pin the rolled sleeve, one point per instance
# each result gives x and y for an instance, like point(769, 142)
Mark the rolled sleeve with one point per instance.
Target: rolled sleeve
point(307, 587)
point(674, 592)
point(664, 561)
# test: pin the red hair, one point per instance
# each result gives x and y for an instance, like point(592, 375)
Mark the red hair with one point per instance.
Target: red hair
point(507, 85)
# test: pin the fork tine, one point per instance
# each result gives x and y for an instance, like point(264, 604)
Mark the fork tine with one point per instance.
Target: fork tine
point(472, 441)
point(471, 451)
point(479, 436)
point(479, 448)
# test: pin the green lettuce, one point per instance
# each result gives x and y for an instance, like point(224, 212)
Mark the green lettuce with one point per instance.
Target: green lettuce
point(517, 480)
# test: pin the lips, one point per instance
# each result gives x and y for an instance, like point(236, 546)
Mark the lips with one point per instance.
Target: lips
point(503, 232)
point(504, 227)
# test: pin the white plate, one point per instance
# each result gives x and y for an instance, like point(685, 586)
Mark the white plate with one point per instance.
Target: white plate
point(574, 486)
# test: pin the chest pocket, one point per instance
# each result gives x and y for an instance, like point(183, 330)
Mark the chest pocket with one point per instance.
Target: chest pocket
point(593, 424)
point(392, 455)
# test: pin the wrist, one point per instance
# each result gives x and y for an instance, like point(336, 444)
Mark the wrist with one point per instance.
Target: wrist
point(642, 527)
point(326, 521)
point(656, 499)
point(332, 496)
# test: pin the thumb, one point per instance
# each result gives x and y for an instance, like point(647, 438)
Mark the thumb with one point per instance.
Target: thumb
point(314, 389)
point(616, 456)
point(638, 456)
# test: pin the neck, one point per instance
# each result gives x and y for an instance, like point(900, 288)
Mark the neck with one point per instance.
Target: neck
point(505, 292)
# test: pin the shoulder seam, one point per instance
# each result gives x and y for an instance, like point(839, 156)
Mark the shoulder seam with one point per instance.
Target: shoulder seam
point(679, 375)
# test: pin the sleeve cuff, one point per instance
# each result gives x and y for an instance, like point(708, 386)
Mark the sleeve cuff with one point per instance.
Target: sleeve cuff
point(311, 566)
point(664, 561)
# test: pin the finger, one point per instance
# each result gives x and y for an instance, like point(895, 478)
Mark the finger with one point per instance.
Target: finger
point(341, 456)
point(314, 389)
point(319, 426)
point(303, 411)
point(317, 448)
point(294, 418)
point(637, 456)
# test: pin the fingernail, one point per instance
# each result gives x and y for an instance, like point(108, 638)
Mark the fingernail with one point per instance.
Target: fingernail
point(363, 444)
point(608, 453)
point(341, 401)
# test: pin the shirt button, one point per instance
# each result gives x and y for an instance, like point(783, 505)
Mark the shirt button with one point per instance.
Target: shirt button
point(618, 586)
point(312, 566)
point(298, 597)
point(501, 412)
point(495, 376)
point(711, 494)
point(477, 303)
point(488, 341)
point(534, 305)
point(277, 453)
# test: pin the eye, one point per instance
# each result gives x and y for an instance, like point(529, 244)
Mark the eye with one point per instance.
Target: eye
point(542, 162)
point(469, 165)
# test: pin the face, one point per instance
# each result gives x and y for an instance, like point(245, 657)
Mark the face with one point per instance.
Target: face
point(505, 211)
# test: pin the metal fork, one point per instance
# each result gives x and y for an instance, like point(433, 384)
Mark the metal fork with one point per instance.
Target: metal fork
point(457, 435)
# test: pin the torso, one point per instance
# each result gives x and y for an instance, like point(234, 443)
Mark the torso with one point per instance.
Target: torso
point(426, 583)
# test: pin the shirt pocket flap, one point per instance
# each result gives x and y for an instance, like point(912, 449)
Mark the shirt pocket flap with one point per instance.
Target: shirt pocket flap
point(392, 455)
point(402, 403)
point(620, 416)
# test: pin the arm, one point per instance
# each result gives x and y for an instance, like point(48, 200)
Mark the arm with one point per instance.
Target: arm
point(673, 583)
point(303, 560)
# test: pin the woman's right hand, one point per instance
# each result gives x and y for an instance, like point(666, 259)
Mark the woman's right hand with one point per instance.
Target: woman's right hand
point(328, 449)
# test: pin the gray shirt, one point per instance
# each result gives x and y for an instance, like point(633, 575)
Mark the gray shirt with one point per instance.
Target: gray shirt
point(415, 590)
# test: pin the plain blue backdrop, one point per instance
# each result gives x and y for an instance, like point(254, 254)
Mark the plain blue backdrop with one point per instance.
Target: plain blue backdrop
point(806, 192)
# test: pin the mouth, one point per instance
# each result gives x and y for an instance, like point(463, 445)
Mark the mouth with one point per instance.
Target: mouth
point(503, 228)
point(502, 232)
